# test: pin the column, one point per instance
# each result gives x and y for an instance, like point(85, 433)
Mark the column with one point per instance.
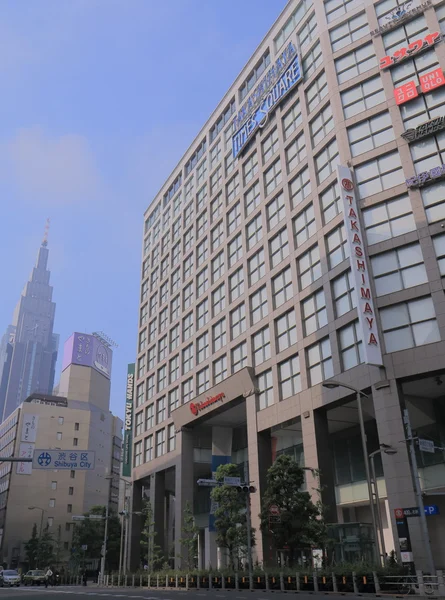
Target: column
point(134, 526)
point(210, 550)
point(157, 500)
point(399, 484)
point(184, 486)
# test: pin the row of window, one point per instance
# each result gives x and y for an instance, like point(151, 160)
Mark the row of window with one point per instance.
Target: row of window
point(154, 446)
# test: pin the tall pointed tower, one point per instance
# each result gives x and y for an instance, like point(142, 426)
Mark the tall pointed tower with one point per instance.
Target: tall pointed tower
point(28, 349)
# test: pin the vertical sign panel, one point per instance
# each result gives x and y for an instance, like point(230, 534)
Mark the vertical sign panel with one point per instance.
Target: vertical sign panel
point(29, 428)
point(25, 451)
point(359, 268)
point(128, 423)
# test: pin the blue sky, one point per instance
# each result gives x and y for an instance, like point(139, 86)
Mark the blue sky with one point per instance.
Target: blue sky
point(100, 99)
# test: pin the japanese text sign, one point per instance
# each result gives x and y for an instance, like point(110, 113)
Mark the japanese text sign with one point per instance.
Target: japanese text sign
point(406, 92)
point(411, 50)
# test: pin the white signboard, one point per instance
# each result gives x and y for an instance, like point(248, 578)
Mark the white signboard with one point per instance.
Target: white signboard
point(75, 460)
point(25, 451)
point(360, 273)
point(426, 446)
point(232, 481)
point(29, 428)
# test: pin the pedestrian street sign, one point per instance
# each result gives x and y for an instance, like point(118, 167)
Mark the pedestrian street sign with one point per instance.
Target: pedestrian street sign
point(73, 460)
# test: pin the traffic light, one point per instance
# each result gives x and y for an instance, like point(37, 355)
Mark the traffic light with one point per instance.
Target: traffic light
point(246, 489)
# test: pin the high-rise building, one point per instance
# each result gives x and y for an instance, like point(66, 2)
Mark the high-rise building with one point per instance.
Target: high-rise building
point(300, 239)
point(77, 419)
point(28, 349)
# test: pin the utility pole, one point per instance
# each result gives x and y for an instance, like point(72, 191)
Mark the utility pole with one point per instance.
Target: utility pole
point(249, 537)
point(418, 492)
point(104, 546)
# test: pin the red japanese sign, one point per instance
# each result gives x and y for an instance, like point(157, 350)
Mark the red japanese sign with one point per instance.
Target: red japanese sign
point(412, 49)
point(432, 80)
point(406, 92)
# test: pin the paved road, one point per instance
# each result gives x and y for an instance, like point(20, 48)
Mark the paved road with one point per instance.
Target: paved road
point(93, 592)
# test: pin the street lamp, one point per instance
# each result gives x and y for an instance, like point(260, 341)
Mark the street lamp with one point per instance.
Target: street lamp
point(386, 449)
point(41, 520)
point(359, 394)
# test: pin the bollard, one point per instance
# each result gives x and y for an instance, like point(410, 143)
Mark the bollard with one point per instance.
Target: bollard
point(440, 583)
point(148, 581)
point(198, 582)
point(166, 581)
point(132, 581)
point(282, 582)
point(297, 581)
point(420, 583)
point(250, 582)
point(376, 582)
point(223, 582)
point(315, 579)
point(236, 582)
point(334, 583)
point(187, 581)
point(354, 583)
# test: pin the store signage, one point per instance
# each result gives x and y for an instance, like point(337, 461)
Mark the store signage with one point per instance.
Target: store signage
point(427, 177)
point(128, 425)
point(258, 117)
point(432, 80)
point(401, 14)
point(425, 129)
point(406, 92)
point(359, 268)
point(414, 511)
point(197, 407)
point(411, 50)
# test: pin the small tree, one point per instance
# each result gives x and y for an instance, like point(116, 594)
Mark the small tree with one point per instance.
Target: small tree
point(90, 533)
point(189, 539)
point(230, 515)
point(32, 548)
point(150, 551)
point(301, 524)
point(46, 549)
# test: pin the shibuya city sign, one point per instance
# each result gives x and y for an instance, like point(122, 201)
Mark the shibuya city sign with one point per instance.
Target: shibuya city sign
point(413, 49)
point(401, 14)
point(197, 407)
point(425, 129)
point(258, 117)
point(359, 269)
point(426, 177)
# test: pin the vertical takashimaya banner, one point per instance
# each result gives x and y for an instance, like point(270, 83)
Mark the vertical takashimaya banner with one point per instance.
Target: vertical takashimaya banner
point(359, 268)
point(128, 422)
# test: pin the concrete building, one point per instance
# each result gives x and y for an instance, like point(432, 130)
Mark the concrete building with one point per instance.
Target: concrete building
point(28, 349)
point(300, 239)
point(77, 419)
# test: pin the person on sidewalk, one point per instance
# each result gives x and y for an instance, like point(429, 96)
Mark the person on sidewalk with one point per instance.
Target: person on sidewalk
point(48, 577)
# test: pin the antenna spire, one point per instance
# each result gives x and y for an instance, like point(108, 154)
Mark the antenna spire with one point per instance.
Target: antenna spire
point(45, 234)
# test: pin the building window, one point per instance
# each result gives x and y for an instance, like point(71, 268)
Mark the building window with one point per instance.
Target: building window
point(150, 386)
point(309, 267)
point(162, 378)
point(175, 308)
point(255, 74)
point(69, 507)
point(176, 254)
point(254, 231)
point(171, 438)
point(217, 266)
point(326, 161)
point(54, 485)
point(252, 198)
point(61, 420)
point(343, 294)
point(234, 218)
point(292, 120)
point(219, 335)
point(379, 174)
point(275, 211)
point(355, 63)
point(72, 474)
point(137, 455)
point(235, 250)
point(286, 330)
point(270, 145)
point(142, 340)
point(219, 369)
point(388, 219)
point(308, 32)
point(372, 133)
point(161, 412)
point(289, 377)
point(398, 269)
point(236, 284)
point(164, 268)
point(428, 153)
point(187, 359)
point(314, 312)
point(201, 224)
point(215, 180)
point(319, 361)
point(316, 92)
point(202, 313)
point(351, 346)
point(149, 417)
point(174, 337)
point(70, 491)
point(202, 253)
point(59, 433)
point(160, 443)
point(295, 153)
point(258, 305)
point(218, 300)
point(187, 294)
point(336, 8)
point(322, 125)
point(279, 247)
point(403, 35)
point(250, 168)
point(153, 304)
point(239, 357)
point(151, 354)
point(439, 247)
point(202, 282)
point(232, 189)
point(265, 386)
point(215, 154)
point(140, 397)
point(261, 346)
point(312, 60)
point(304, 225)
point(349, 32)
point(201, 172)
point(67, 527)
point(300, 188)
point(238, 321)
point(423, 108)
point(187, 390)
point(217, 236)
point(282, 287)
point(173, 400)
point(174, 369)
point(148, 443)
point(163, 319)
point(202, 346)
point(256, 266)
point(293, 21)
point(143, 316)
point(409, 324)
point(433, 198)
point(162, 348)
point(272, 177)
point(75, 441)
point(337, 247)
point(203, 380)
point(152, 329)
point(362, 97)
point(216, 207)
point(52, 503)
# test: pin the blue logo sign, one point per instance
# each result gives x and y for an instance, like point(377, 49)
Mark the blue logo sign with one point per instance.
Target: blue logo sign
point(432, 509)
point(258, 118)
point(44, 459)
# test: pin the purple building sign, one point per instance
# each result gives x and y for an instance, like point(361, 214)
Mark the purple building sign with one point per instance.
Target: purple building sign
point(88, 351)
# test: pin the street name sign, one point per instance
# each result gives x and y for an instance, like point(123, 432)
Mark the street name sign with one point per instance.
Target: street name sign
point(426, 446)
point(73, 460)
point(207, 482)
point(232, 481)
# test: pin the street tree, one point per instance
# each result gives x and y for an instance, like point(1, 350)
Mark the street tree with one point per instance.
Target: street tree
point(230, 516)
point(151, 552)
point(301, 525)
point(189, 539)
point(90, 533)
point(32, 548)
point(46, 555)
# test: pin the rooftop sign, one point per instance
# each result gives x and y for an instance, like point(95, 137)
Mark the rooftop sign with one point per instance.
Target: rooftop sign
point(401, 14)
